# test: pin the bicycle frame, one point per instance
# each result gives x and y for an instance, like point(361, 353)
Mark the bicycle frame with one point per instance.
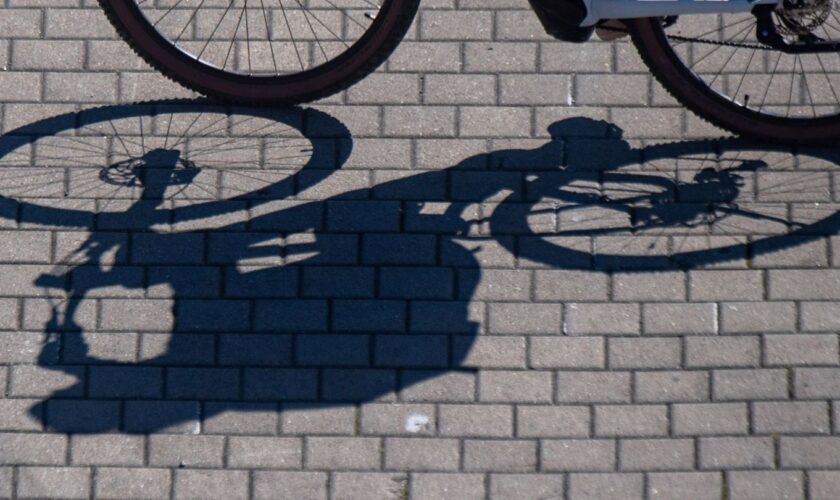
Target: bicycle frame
point(597, 10)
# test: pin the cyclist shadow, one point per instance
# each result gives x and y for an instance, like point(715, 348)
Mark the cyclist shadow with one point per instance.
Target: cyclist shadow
point(370, 297)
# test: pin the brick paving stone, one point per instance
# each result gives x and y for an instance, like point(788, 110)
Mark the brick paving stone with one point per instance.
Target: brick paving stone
point(197, 483)
point(823, 485)
point(34, 449)
point(656, 454)
point(495, 455)
point(753, 452)
point(749, 384)
point(631, 420)
point(594, 387)
point(53, 482)
point(441, 486)
point(710, 418)
point(515, 486)
point(671, 386)
point(553, 422)
point(364, 485)
point(578, 455)
point(186, 451)
point(475, 420)
point(132, 482)
point(422, 454)
point(770, 485)
point(345, 453)
point(677, 485)
point(605, 486)
point(107, 449)
point(290, 484)
point(810, 452)
point(794, 417)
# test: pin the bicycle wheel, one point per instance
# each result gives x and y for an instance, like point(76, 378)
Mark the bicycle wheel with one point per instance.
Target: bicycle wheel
point(715, 65)
point(686, 205)
point(263, 51)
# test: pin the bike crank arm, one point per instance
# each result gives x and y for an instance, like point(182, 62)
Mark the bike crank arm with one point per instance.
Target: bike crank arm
point(597, 10)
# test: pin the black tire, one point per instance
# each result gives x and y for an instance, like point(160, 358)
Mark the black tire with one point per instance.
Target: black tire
point(361, 57)
point(693, 92)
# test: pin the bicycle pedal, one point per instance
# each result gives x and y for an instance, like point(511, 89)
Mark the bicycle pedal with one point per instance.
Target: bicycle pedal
point(611, 29)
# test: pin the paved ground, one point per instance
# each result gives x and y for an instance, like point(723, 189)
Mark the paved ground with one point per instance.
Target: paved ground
point(380, 297)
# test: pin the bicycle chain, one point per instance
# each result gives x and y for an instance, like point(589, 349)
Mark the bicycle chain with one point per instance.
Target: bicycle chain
point(681, 38)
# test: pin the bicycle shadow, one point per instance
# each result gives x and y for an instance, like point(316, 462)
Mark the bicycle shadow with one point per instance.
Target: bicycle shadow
point(369, 294)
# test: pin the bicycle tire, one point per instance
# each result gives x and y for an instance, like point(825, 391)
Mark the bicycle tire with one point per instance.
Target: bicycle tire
point(657, 52)
point(361, 58)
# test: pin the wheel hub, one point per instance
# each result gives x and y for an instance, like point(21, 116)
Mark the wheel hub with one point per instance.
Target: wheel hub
point(802, 17)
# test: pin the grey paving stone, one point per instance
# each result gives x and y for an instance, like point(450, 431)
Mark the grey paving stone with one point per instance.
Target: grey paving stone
point(823, 485)
point(53, 482)
point(132, 482)
point(656, 454)
point(394, 419)
point(680, 319)
point(770, 485)
point(525, 318)
point(186, 451)
point(578, 455)
point(601, 319)
point(793, 417)
point(749, 384)
point(605, 486)
point(492, 352)
point(801, 349)
point(809, 452)
point(730, 285)
point(233, 418)
point(593, 387)
point(562, 285)
point(33, 449)
point(20, 414)
point(567, 352)
point(724, 352)
point(422, 454)
point(631, 420)
point(476, 420)
point(515, 386)
point(441, 486)
point(627, 353)
point(753, 452)
point(757, 317)
point(107, 449)
point(553, 422)
point(6, 486)
point(364, 485)
point(677, 485)
point(495, 455)
point(290, 484)
point(210, 483)
point(514, 486)
point(671, 386)
point(345, 453)
point(709, 418)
